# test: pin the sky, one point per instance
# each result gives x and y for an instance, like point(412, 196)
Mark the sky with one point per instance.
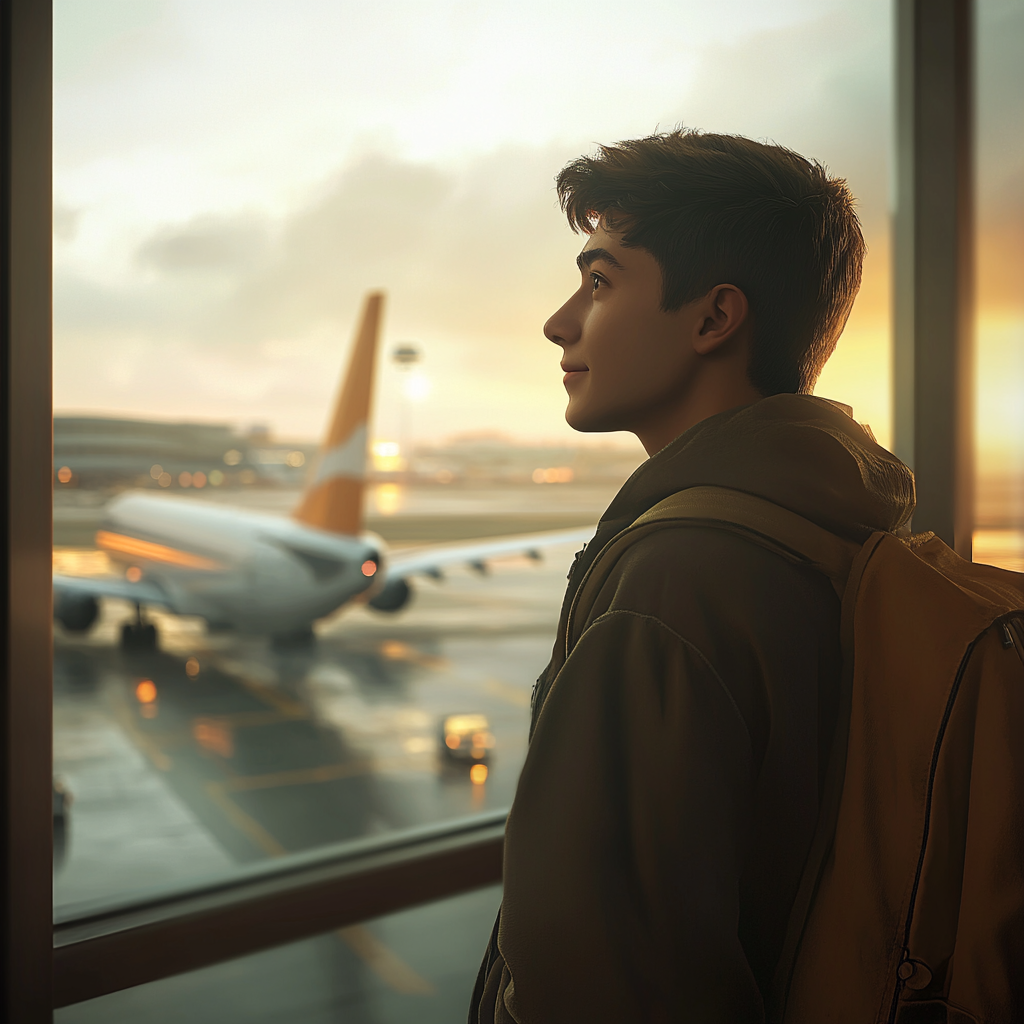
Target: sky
point(231, 177)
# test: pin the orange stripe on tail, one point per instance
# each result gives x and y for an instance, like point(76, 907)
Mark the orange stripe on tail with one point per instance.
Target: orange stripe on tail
point(334, 497)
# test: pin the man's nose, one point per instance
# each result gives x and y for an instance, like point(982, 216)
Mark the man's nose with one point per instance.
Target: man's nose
point(562, 327)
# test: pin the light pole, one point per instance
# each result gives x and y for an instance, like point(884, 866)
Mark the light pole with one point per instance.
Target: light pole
point(405, 356)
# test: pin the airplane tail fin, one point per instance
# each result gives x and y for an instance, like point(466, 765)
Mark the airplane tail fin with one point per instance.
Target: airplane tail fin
point(333, 499)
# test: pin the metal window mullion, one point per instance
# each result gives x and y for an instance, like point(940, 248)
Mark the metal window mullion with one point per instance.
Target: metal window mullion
point(933, 262)
point(25, 477)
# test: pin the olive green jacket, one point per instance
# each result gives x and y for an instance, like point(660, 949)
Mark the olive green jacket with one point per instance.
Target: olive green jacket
point(671, 787)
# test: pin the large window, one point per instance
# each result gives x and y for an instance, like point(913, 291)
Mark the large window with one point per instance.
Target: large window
point(231, 180)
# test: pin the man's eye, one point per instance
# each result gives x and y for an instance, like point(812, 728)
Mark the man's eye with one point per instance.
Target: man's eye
point(597, 281)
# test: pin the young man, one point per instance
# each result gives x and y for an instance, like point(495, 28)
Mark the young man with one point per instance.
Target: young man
point(680, 736)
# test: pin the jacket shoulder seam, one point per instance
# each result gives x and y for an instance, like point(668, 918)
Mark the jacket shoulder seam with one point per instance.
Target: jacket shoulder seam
point(689, 645)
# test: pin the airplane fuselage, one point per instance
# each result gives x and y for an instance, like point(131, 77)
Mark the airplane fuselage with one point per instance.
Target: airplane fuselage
point(235, 568)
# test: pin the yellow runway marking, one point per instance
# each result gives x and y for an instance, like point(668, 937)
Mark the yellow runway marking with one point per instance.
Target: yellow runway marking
point(385, 963)
point(516, 695)
point(298, 776)
point(322, 773)
point(243, 822)
point(398, 650)
point(388, 966)
point(249, 719)
point(282, 704)
point(145, 743)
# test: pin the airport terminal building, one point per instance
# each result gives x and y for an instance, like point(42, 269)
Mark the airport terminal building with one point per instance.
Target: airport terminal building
point(102, 452)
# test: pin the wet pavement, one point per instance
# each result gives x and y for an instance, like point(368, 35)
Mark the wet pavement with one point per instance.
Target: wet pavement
point(218, 749)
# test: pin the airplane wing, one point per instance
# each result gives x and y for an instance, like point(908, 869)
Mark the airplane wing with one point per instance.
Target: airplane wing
point(143, 592)
point(430, 561)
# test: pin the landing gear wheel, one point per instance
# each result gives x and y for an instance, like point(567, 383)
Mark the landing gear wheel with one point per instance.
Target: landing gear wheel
point(138, 636)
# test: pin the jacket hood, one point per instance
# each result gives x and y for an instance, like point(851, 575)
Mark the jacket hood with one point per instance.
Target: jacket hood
point(804, 453)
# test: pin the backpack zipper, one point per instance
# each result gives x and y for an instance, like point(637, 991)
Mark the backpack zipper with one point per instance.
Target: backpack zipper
point(1007, 635)
point(946, 715)
point(1015, 628)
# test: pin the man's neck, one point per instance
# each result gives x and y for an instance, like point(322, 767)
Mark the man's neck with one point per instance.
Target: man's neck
point(664, 426)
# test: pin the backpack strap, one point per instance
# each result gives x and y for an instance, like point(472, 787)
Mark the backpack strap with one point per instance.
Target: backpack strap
point(805, 543)
point(759, 520)
point(776, 527)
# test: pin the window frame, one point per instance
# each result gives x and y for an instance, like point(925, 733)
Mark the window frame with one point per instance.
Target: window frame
point(271, 903)
point(933, 235)
point(26, 452)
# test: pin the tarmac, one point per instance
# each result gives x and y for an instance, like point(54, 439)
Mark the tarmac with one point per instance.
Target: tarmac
point(218, 750)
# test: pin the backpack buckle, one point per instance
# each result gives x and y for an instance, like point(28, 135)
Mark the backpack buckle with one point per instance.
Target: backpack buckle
point(915, 974)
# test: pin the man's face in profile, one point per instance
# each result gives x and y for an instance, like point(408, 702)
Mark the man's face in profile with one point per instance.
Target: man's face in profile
point(625, 359)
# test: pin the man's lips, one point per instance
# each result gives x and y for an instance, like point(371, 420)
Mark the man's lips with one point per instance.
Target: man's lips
point(572, 372)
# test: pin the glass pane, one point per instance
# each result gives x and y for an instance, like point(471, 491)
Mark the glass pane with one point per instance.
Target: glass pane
point(999, 537)
point(231, 181)
point(179, 771)
point(419, 965)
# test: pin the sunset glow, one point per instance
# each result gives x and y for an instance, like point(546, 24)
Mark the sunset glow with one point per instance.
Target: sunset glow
point(229, 180)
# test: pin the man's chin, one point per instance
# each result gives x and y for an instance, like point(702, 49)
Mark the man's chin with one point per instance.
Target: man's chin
point(590, 421)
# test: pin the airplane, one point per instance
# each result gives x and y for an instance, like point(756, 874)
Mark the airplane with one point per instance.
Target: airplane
point(258, 573)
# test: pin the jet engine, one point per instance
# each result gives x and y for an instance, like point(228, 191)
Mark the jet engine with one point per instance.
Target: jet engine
point(393, 597)
point(76, 612)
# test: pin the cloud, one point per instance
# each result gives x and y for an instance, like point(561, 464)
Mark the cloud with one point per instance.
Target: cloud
point(65, 222)
point(231, 313)
point(206, 244)
point(470, 249)
point(236, 313)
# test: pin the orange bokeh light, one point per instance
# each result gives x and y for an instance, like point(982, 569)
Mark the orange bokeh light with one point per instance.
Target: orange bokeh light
point(145, 692)
point(369, 567)
point(478, 774)
point(64, 474)
point(192, 667)
point(133, 574)
point(452, 741)
point(214, 736)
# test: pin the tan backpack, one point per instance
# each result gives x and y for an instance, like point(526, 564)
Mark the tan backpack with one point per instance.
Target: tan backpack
point(911, 905)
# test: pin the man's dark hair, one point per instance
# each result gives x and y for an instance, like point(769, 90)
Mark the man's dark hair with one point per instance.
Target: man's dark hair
point(722, 209)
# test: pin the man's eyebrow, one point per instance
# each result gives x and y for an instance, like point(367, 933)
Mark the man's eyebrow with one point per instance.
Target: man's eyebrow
point(589, 256)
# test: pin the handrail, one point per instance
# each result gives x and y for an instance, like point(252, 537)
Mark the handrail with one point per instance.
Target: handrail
point(113, 946)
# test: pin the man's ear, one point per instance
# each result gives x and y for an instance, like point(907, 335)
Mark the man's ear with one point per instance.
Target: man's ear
point(722, 313)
